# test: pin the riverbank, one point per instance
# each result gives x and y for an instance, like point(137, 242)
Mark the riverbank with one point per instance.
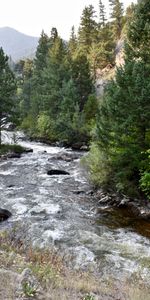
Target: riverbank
point(136, 207)
point(60, 212)
point(43, 275)
point(12, 151)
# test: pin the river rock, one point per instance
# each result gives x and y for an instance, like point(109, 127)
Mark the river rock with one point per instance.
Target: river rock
point(4, 214)
point(27, 277)
point(78, 146)
point(138, 207)
point(9, 282)
point(57, 172)
point(28, 150)
point(78, 192)
point(13, 155)
point(66, 156)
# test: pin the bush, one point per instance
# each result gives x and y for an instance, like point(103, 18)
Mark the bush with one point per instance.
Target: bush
point(99, 166)
point(145, 176)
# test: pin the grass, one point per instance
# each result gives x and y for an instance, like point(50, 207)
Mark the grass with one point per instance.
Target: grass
point(5, 148)
point(57, 280)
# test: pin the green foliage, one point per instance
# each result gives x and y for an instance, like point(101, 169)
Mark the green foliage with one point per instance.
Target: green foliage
point(46, 127)
point(88, 29)
point(117, 17)
point(145, 175)
point(29, 290)
point(56, 89)
point(53, 96)
point(90, 108)
point(137, 46)
point(4, 149)
point(80, 71)
point(102, 52)
point(123, 122)
point(41, 53)
point(43, 124)
point(102, 14)
point(99, 165)
point(29, 124)
point(72, 44)
point(7, 91)
point(88, 297)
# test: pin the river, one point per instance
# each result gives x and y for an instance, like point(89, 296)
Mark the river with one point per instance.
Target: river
point(60, 211)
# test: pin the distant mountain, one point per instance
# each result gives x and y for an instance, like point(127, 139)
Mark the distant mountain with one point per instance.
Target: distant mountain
point(16, 44)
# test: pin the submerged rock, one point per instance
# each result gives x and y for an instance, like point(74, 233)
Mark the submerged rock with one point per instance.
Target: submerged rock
point(28, 150)
point(57, 172)
point(66, 156)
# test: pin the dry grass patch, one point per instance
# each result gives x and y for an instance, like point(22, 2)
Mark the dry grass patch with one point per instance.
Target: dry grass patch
point(60, 282)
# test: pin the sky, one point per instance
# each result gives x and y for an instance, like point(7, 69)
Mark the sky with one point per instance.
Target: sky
point(31, 16)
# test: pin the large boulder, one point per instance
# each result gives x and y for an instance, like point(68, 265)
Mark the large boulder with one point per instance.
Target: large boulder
point(57, 172)
point(4, 214)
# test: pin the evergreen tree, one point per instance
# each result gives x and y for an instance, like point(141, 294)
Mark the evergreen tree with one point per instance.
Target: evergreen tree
point(72, 45)
point(7, 90)
point(88, 29)
point(54, 34)
point(102, 14)
point(37, 82)
point(138, 34)
point(82, 78)
point(124, 118)
point(25, 101)
point(117, 17)
point(53, 76)
point(102, 53)
point(41, 53)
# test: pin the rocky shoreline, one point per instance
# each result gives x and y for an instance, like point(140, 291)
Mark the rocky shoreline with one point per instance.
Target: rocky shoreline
point(139, 208)
point(14, 153)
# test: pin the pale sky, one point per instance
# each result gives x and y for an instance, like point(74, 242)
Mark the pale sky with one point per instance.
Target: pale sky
point(31, 16)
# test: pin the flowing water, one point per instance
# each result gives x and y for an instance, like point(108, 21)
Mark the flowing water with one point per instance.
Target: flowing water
point(60, 211)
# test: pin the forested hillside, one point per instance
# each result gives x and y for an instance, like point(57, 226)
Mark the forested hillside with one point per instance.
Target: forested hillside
point(58, 103)
point(56, 90)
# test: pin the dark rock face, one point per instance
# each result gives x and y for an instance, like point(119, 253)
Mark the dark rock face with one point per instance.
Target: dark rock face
point(57, 172)
point(28, 150)
point(138, 207)
point(4, 214)
point(13, 155)
point(79, 146)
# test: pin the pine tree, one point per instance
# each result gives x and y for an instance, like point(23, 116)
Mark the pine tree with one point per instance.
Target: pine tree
point(27, 73)
point(102, 52)
point(53, 76)
point(41, 53)
point(102, 14)
point(88, 29)
point(138, 35)
point(82, 78)
point(117, 17)
point(7, 90)
point(54, 34)
point(72, 44)
point(123, 125)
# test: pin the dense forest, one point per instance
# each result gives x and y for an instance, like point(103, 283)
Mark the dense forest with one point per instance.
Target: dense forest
point(53, 98)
